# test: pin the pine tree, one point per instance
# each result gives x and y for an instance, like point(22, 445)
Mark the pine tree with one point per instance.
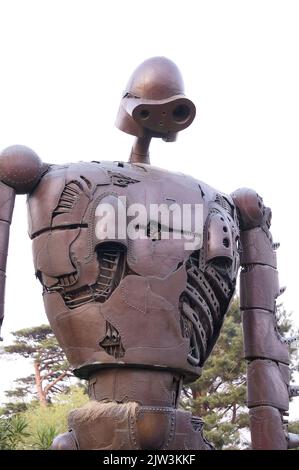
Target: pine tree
point(50, 365)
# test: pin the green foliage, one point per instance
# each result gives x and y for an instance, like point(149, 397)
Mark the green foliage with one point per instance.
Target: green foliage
point(45, 422)
point(13, 432)
point(13, 408)
point(222, 434)
point(45, 436)
point(29, 340)
point(34, 342)
point(294, 427)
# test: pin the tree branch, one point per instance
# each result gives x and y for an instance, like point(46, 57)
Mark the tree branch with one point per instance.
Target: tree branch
point(51, 385)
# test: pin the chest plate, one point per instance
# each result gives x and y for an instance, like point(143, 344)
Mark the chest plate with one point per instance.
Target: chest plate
point(129, 279)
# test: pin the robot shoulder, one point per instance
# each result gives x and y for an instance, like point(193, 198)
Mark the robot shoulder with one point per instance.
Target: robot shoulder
point(20, 168)
point(251, 210)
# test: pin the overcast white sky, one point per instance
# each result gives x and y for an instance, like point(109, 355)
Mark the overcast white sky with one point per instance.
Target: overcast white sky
point(64, 65)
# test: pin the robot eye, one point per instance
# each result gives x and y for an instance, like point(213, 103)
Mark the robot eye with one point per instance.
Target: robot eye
point(181, 113)
point(144, 114)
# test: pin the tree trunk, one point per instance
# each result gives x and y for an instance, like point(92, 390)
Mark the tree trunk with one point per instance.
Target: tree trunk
point(234, 416)
point(39, 388)
point(197, 394)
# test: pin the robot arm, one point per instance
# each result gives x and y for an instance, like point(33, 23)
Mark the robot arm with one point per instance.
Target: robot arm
point(20, 171)
point(268, 373)
point(7, 200)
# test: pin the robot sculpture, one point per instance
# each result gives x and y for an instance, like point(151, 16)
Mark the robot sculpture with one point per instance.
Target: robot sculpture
point(138, 316)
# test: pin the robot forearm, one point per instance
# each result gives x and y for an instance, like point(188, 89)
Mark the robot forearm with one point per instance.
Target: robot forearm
point(7, 199)
point(268, 372)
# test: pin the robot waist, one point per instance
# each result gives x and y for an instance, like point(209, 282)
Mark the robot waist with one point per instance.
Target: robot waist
point(144, 386)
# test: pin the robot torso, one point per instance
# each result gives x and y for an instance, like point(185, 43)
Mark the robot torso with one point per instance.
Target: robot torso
point(115, 300)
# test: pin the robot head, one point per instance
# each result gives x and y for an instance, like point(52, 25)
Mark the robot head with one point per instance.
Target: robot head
point(154, 103)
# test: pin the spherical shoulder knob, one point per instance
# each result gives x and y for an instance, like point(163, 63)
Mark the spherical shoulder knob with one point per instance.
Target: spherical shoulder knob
point(250, 206)
point(20, 168)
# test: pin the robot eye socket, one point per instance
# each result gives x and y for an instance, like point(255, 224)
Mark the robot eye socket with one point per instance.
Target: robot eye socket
point(144, 114)
point(181, 113)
